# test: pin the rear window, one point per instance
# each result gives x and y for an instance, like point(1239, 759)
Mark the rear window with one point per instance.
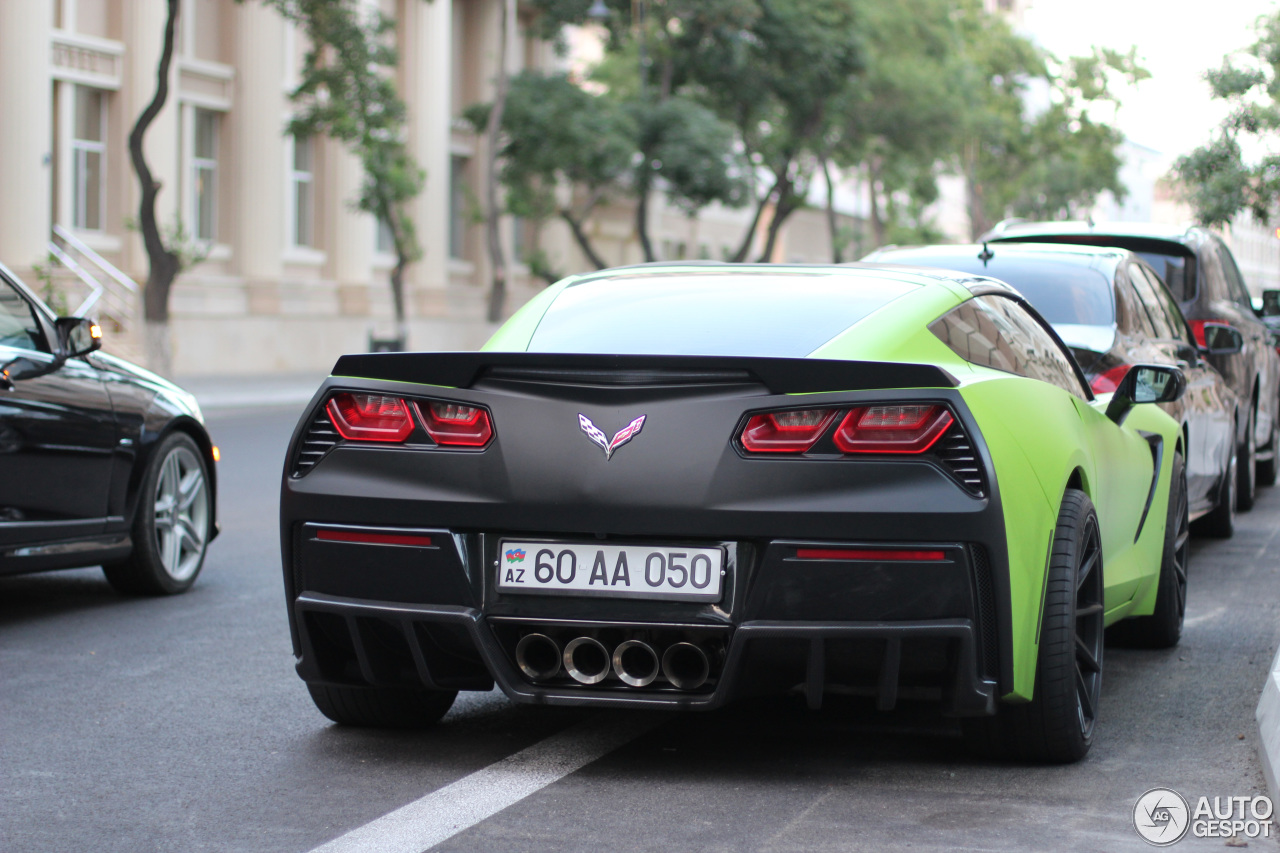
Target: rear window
point(774, 314)
point(1063, 292)
point(1175, 271)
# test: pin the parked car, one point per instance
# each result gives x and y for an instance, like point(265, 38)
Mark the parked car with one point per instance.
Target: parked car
point(669, 486)
point(1111, 309)
point(1202, 275)
point(101, 462)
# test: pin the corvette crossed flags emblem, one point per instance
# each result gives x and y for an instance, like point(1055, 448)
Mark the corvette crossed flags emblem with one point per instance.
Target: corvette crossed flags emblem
point(620, 438)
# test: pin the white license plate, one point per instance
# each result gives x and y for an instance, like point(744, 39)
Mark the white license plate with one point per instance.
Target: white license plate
point(672, 572)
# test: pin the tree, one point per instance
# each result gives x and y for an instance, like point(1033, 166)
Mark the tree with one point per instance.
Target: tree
point(1220, 181)
point(493, 126)
point(348, 92)
point(165, 258)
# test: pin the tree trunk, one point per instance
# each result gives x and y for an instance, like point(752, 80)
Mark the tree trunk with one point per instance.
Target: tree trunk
point(833, 224)
point(498, 287)
point(642, 210)
point(788, 203)
point(397, 299)
point(749, 238)
point(873, 190)
point(163, 264)
point(157, 343)
point(583, 241)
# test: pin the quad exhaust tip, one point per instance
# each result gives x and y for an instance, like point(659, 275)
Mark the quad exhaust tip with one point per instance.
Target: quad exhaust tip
point(636, 663)
point(686, 666)
point(586, 660)
point(538, 656)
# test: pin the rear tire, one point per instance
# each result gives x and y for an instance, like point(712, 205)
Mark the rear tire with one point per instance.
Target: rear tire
point(1220, 522)
point(1057, 725)
point(382, 707)
point(1246, 492)
point(1269, 469)
point(1163, 628)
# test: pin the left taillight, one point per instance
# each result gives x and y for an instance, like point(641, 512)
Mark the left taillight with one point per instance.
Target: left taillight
point(793, 431)
point(455, 425)
point(370, 417)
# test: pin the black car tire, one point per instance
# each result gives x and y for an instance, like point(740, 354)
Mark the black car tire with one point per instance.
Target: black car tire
point(1057, 725)
point(1220, 522)
point(1268, 469)
point(172, 524)
point(1163, 628)
point(382, 707)
point(1246, 491)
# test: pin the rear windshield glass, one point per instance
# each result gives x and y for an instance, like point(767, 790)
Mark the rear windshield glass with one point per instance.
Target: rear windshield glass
point(1174, 270)
point(1062, 292)
point(746, 314)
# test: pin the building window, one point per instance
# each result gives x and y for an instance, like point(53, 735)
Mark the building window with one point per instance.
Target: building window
point(204, 174)
point(302, 181)
point(88, 150)
point(458, 208)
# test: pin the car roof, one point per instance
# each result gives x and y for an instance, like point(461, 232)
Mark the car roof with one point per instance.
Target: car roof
point(1073, 253)
point(922, 276)
point(1190, 236)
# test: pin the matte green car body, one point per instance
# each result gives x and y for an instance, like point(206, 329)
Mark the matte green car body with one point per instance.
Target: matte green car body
point(1042, 441)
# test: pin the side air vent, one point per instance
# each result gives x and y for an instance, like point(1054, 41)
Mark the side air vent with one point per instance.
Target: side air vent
point(984, 588)
point(958, 454)
point(319, 440)
point(625, 378)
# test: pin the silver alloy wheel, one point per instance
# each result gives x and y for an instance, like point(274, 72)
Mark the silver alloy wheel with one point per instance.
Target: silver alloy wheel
point(181, 514)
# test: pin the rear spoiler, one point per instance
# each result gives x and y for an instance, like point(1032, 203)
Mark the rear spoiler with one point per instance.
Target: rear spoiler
point(779, 375)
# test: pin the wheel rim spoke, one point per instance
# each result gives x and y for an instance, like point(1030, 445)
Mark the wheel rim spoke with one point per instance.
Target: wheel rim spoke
point(1086, 697)
point(181, 512)
point(1086, 569)
point(1085, 658)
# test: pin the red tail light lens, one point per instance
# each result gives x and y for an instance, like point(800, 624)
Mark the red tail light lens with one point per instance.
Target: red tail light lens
point(370, 417)
point(372, 538)
point(905, 428)
point(1108, 381)
point(786, 432)
point(456, 425)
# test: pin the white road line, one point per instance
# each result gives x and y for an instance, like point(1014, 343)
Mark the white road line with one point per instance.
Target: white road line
point(459, 806)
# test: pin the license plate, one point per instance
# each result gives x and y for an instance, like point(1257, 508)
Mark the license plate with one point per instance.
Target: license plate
point(670, 572)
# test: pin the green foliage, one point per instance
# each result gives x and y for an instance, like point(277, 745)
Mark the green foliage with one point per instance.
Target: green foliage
point(50, 293)
point(1218, 180)
point(348, 92)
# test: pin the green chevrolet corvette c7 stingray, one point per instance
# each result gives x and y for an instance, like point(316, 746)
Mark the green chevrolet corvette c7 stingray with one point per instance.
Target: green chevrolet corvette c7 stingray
point(669, 486)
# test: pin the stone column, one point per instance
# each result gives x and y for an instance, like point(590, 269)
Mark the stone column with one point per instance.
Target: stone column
point(350, 232)
point(26, 125)
point(257, 123)
point(427, 74)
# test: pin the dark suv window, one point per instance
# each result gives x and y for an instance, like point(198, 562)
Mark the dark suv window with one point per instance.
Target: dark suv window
point(995, 331)
point(1235, 282)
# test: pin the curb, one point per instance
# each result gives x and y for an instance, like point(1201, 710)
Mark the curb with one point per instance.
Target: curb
point(1269, 728)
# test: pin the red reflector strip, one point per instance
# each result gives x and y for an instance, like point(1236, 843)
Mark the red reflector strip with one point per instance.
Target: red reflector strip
point(373, 538)
point(866, 554)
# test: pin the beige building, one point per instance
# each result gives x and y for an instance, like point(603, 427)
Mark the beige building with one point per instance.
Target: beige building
point(292, 277)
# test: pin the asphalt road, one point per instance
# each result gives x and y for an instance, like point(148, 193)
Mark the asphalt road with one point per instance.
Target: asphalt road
point(179, 725)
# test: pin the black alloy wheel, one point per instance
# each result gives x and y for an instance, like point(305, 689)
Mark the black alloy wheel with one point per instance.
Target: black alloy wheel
point(1057, 725)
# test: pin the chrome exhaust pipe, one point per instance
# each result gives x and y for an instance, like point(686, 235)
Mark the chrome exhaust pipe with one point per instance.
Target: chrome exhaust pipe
point(538, 656)
point(586, 660)
point(686, 666)
point(636, 663)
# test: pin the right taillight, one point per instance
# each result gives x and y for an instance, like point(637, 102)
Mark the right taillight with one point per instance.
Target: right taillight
point(1108, 381)
point(899, 428)
point(370, 417)
point(793, 431)
point(456, 425)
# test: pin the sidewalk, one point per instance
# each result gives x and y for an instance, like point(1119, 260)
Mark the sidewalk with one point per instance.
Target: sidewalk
point(217, 393)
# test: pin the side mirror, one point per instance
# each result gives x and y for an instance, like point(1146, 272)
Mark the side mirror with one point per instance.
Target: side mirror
point(1271, 303)
point(78, 336)
point(1221, 339)
point(1146, 383)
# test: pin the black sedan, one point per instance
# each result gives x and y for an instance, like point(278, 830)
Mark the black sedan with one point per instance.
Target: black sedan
point(1202, 275)
point(101, 462)
point(1113, 311)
